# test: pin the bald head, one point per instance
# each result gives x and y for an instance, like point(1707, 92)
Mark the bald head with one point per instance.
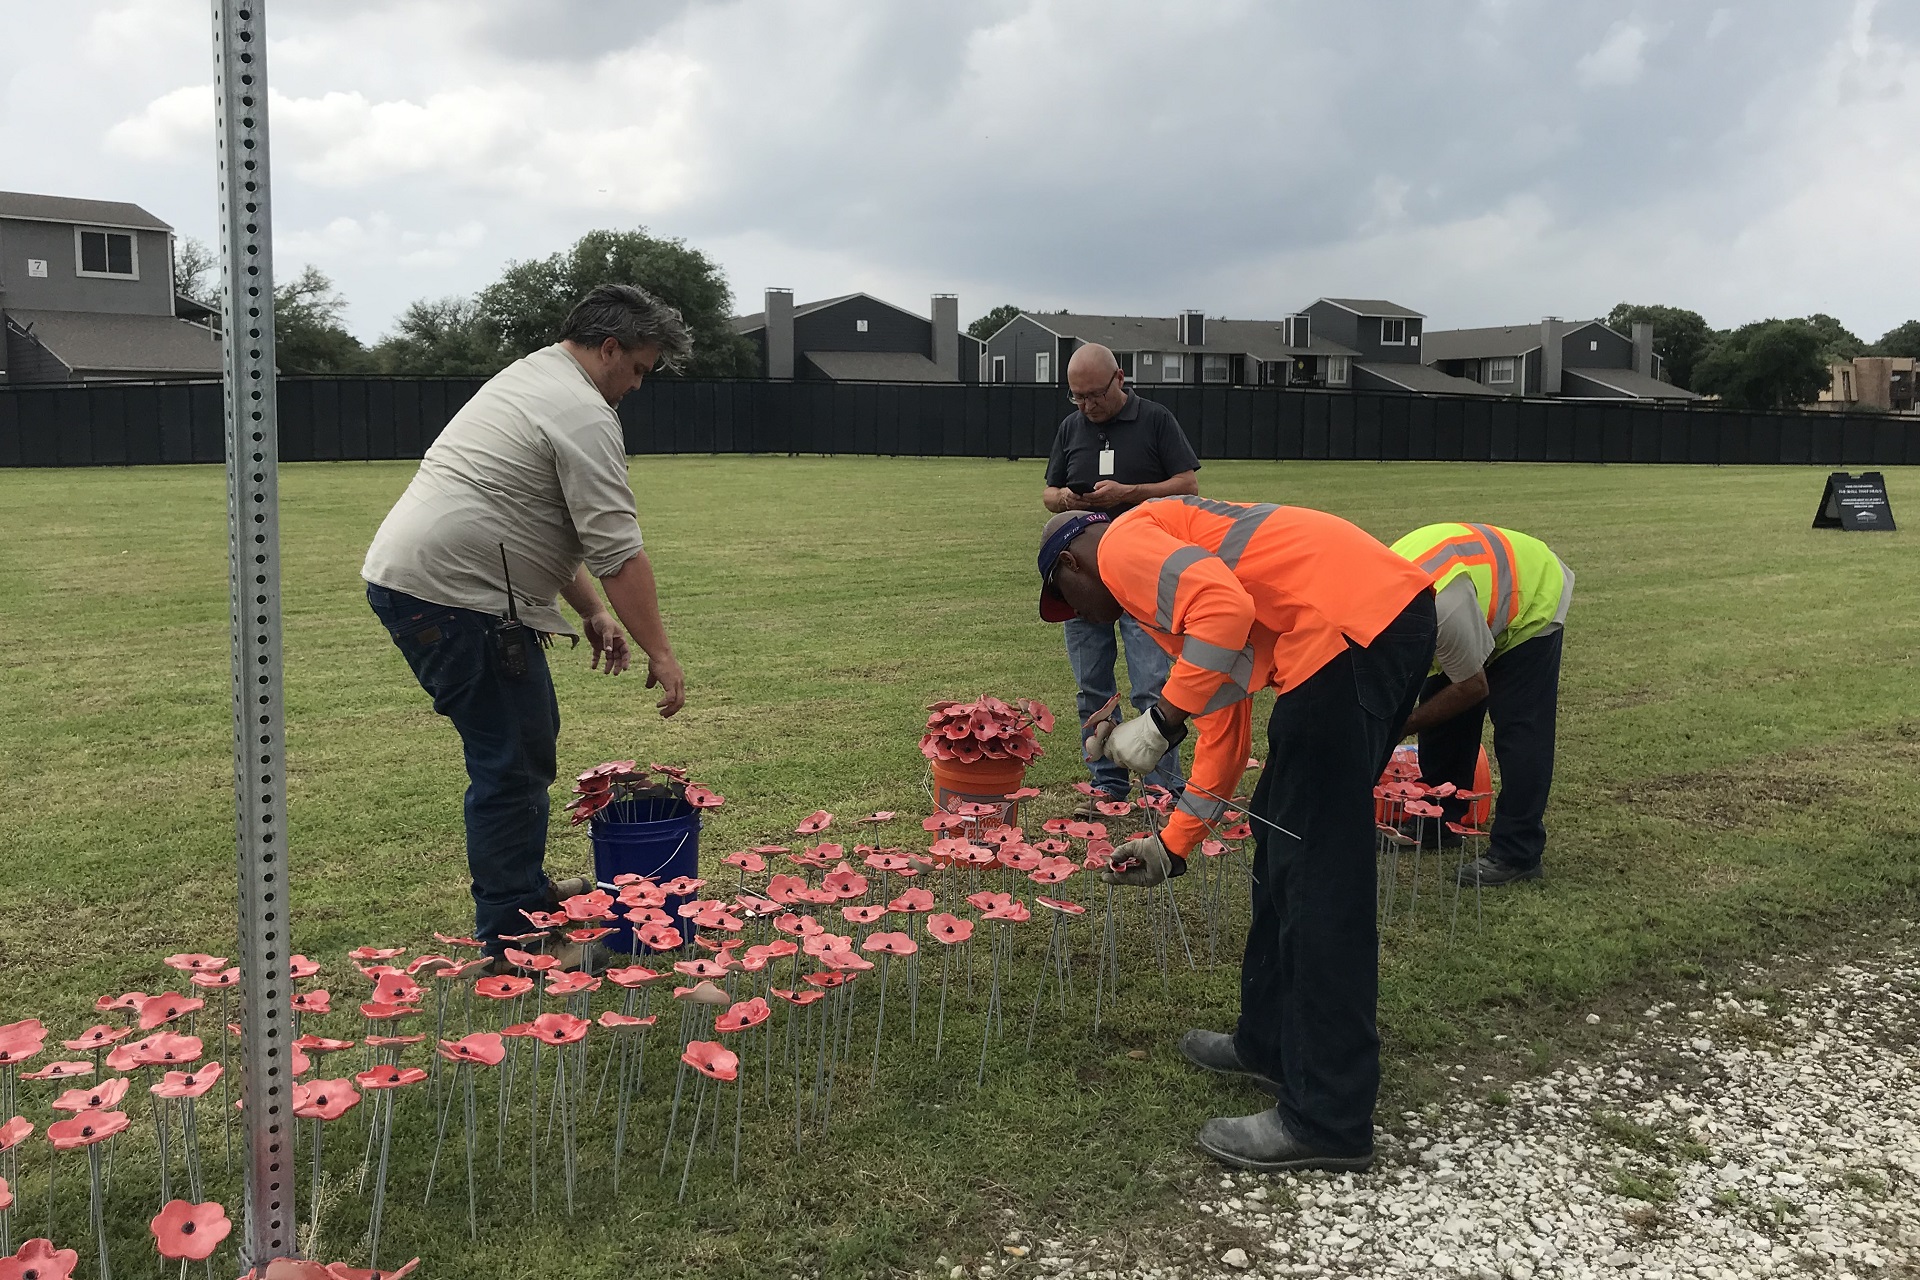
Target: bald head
point(1096, 383)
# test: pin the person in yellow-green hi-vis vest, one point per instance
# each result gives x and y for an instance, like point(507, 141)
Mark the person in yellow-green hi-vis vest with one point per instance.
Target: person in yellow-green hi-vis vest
point(1502, 602)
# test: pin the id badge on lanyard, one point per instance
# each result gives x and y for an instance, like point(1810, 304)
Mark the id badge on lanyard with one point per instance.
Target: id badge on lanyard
point(1106, 464)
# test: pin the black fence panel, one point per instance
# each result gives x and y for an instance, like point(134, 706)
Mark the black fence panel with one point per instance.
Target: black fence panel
point(366, 418)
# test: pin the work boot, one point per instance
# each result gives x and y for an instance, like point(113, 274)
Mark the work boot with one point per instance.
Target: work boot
point(574, 956)
point(1085, 811)
point(1487, 873)
point(571, 887)
point(1262, 1143)
point(1213, 1051)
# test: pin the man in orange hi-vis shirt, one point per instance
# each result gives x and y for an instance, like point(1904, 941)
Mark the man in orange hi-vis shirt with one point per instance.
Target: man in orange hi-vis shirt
point(1248, 597)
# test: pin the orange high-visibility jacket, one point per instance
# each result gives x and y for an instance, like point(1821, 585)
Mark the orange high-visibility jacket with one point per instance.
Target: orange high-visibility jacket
point(1245, 596)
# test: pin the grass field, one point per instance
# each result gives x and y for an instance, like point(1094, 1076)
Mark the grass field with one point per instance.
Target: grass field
point(1739, 742)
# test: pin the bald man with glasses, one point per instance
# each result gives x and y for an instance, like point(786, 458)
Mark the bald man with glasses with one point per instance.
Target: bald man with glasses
point(1112, 453)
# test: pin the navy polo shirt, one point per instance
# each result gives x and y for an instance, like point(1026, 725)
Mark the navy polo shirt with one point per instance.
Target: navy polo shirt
point(1147, 442)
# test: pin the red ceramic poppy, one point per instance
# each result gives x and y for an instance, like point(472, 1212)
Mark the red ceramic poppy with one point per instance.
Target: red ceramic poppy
point(341, 1271)
point(845, 960)
point(1019, 857)
point(751, 863)
point(189, 1231)
point(783, 888)
point(572, 984)
point(826, 979)
point(397, 988)
point(881, 815)
point(755, 905)
point(482, 1048)
point(660, 937)
point(1442, 790)
point(1212, 848)
point(716, 916)
point(988, 900)
point(701, 968)
point(316, 1001)
point(815, 943)
point(1086, 830)
point(386, 1042)
point(39, 1260)
point(6, 1196)
point(375, 953)
point(14, 1132)
point(60, 1071)
point(194, 962)
point(505, 986)
point(845, 882)
point(536, 936)
point(85, 1129)
point(102, 1097)
point(1053, 871)
point(893, 944)
point(325, 1099)
point(800, 999)
point(681, 886)
point(214, 981)
point(818, 897)
point(20, 1041)
point(1466, 832)
point(943, 822)
point(187, 1084)
point(624, 1022)
point(376, 1011)
point(701, 798)
point(301, 967)
point(1421, 809)
point(632, 976)
point(1056, 826)
point(1240, 832)
point(167, 1049)
point(864, 914)
point(1011, 913)
point(97, 1037)
point(1038, 713)
point(527, 960)
point(650, 916)
point(451, 940)
point(947, 928)
point(544, 919)
point(814, 823)
point(742, 1015)
point(912, 902)
point(796, 925)
point(587, 907)
point(560, 1028)
point(386, 1075)
point(1057, 904)
point(1023, 793)
point(713, 1059)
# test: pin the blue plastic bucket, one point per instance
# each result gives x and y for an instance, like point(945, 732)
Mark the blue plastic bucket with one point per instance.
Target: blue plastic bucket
point(654, 836)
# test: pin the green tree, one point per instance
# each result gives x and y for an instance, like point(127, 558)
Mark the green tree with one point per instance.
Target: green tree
point(442, 336)
point(307, 333)
point(196, 269)
point(1679, 335)
point(530, 301)
point(992, 322)
point(1902, 340)
point(1837, 342)
point(1769, 364)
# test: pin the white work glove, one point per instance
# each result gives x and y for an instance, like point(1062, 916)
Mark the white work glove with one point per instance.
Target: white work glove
point(1135, 745)
point(1143, 863)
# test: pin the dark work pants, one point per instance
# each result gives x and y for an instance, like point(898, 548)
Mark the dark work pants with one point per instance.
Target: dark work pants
point(1523, 698)
point(1310, 977)
point(508, 728)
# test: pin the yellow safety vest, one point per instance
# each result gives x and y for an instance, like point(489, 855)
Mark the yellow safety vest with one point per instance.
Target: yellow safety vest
point(1518, 578)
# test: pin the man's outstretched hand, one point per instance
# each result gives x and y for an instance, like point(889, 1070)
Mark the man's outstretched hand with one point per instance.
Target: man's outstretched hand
point(1143, 863)
point(610, 652)
point(665, 672)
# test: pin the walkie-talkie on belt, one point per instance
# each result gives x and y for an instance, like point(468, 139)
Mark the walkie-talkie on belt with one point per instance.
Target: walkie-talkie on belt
point(511, 638)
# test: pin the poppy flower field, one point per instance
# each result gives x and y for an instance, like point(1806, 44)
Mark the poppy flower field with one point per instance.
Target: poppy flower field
point(1701, 816)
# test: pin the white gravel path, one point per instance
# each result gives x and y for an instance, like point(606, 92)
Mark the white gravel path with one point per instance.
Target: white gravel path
point(1717, 1139)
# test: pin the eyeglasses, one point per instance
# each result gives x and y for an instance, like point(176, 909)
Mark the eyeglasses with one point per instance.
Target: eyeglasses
point(1088, 397)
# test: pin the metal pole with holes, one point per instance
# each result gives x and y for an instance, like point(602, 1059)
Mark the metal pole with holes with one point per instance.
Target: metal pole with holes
point(253, 562)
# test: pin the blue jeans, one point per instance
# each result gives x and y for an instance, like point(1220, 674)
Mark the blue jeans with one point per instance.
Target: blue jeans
point(1091, 650)
point(508, 728)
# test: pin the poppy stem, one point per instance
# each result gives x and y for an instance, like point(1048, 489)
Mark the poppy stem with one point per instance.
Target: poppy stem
point(313, 1209)
point(880, 1023)
point(96, 1207)
point(380, 1186)
point(533, 1138)
point(693, 1139)
point(1049, 967)
point(673, 1116)
point(940, 1027)
point(226, 1102)
point(739, 1103)
point(439, 1141)
point(190, 1135)
point(160, 1126)
point(1100, 972)
point(472, 1118)
point(993, 1003)
point(566, 1121)
point(1173, 906)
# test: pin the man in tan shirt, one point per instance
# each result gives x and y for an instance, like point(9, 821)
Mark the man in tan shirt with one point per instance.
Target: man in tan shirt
point(528, 481)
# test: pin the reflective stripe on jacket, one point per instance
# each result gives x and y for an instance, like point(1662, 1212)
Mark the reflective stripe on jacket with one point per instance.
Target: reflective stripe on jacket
point(1518, 579)
point(1246, 597)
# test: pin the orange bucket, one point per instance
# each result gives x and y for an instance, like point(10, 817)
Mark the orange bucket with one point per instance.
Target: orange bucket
point(982, 782)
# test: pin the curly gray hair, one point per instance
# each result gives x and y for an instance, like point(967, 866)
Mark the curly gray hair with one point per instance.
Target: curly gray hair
point(632, 317)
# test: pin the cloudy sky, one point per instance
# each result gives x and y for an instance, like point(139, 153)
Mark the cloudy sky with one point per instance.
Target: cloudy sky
point(1483, 161)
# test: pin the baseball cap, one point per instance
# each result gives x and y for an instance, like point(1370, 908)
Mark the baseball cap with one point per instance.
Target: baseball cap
point(1055, 537)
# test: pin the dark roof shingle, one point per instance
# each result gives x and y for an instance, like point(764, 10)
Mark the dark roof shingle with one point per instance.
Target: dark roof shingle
point(112, 213)
point(95, 341)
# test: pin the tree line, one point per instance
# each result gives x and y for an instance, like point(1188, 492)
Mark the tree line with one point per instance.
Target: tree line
point(519, 313)
point(1768, 364)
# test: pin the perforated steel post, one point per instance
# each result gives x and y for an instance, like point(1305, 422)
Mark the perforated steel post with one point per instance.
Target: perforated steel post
point(253, 562)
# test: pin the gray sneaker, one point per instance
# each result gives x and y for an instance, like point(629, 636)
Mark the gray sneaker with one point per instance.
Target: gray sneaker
point(1215, 1051)
point(1262, 1143)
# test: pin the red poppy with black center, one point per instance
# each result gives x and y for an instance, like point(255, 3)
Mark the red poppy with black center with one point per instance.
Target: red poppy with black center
point(560, 1028)
point(632, 976)
point(98, 1037)
point(681, 886)
point(386, 1075)
point(166, 1049)
point(505, 986)
point(943, 927)
point(826, 979)
point(376, 1011)
point(317, 1001)
point(216, 980)
point(301, 967)
point(21, 1040)
point(6, 1196)
point(14, 1132)
point(742, 1015)
point(473, 944)
point(912, 902)
point(187, 1084)
point(863, 914)
point(107, 1094)
point(39, 1260)
point(712, 1059)
point(324, 1099)
point(814, 823)
point(801, 999)
point(701, 968)
point(60, 1071)
point(624, 1022)
point(341, 1271)
point(397, 988)
point(893, 944)
point(1010, 913)
point(483, 1048)
point(85, 1129)
point(194, 962)
point(989, 900)
point(189, 1231)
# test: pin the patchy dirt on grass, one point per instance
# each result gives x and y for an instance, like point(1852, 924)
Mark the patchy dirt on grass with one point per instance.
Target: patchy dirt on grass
point(1768, 792)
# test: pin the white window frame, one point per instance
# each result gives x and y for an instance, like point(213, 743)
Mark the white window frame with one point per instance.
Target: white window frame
point(1492, 369)
point(1043, 366)
point(79, 260)
point(999, 373)
point(1171, 368)
point(1337, 371)
point(1386, 322)
point(1593, 344)
point(1210, 363)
